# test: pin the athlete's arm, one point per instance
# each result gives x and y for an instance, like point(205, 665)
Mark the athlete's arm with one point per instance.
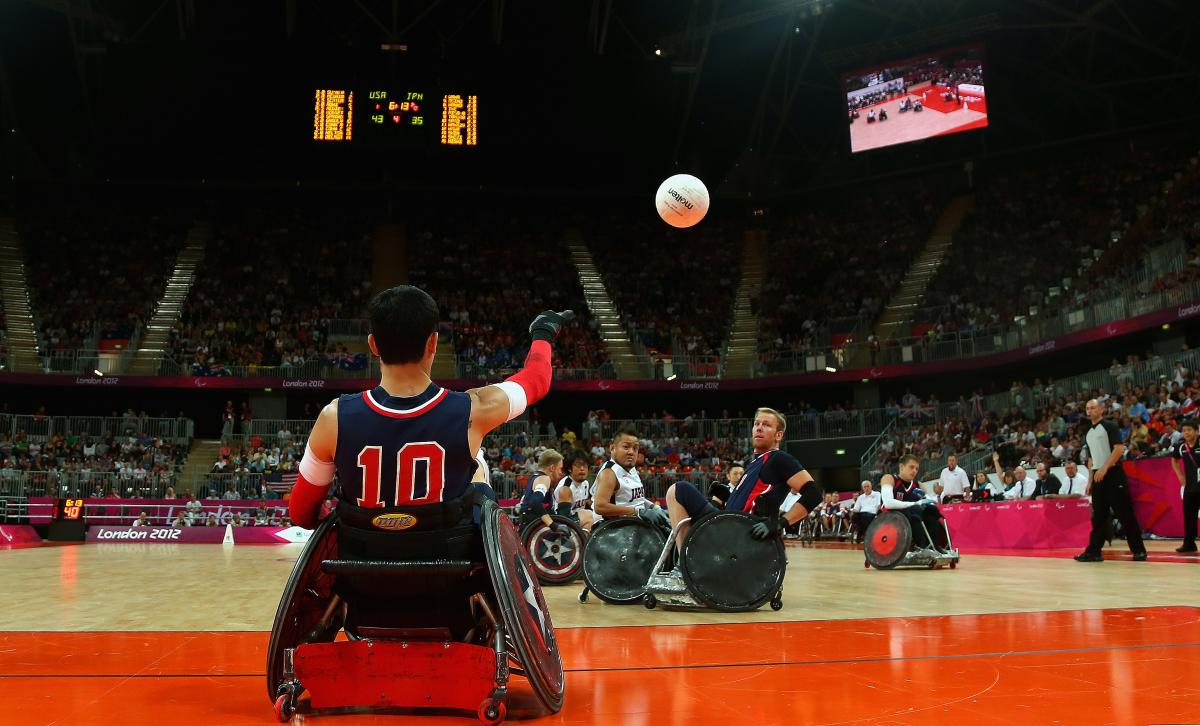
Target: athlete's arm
point(496, 404)
point(537, 497)
point(810, 495)
point(606, 486)
point(316, 469)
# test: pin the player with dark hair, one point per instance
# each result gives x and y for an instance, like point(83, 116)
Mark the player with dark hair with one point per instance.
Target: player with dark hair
point(618, 491)
point(572, 495)
point(407, 447)
point(767, 480)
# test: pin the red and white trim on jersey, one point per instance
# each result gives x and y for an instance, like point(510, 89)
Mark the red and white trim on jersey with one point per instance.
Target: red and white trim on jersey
point(403, 413)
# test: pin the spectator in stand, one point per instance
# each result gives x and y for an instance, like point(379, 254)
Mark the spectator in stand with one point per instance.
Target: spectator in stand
point(231, 493)
point(1074, 484)
point(866, 506)
point(1046, 486)
point(141, 521)
point(212, 521)
point(181, 521)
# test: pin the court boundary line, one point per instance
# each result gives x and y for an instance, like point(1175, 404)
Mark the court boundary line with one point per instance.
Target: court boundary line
point(660, 625)
point(701, 666)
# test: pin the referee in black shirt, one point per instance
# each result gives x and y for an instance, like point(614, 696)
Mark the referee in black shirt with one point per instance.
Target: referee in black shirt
point(1188, 452)
point(1109, 487)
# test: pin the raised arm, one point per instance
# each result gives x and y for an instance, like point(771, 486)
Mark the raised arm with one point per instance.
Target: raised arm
point(501, 402)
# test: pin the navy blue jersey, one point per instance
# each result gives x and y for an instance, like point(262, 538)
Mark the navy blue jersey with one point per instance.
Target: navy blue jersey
point(403, 452)
point(906, 491)
point(547, 501)
point(763, 487)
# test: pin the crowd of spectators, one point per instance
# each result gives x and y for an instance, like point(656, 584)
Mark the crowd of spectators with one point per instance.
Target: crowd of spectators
point(672, 287)
point(1043, 423)
point(491, 274)
point(269, 283)
point(96, 271)
point(124, 462)
point(1059, 236)
point(834, 265)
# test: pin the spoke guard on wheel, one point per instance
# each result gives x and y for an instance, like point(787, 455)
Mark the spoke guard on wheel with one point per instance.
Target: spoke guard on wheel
point(727, 568)
point(888, 540)
point(556, 557)
point(306, 597)
point(524, 611)
point(619, 557)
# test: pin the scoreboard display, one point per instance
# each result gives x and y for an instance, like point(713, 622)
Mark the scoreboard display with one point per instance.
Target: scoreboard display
point(399, 116)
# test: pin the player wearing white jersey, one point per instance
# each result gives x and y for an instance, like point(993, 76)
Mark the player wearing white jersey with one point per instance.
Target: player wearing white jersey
point(618, 491)
point(573, 494)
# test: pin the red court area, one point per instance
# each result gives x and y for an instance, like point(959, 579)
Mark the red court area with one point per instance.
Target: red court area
point(934, 100)
point(1128, 666)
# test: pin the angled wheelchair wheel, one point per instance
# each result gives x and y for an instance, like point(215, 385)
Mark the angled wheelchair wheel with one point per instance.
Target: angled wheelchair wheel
point(307, 597)
point(728, 569)
point(556, 557)
point(618, 558)
point(888, 540)
point(523, 609)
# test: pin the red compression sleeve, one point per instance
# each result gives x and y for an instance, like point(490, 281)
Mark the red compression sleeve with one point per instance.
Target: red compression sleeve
point(304, 505)
point(535, 377)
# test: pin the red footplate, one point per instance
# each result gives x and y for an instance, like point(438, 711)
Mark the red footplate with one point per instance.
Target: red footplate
point(396, 674)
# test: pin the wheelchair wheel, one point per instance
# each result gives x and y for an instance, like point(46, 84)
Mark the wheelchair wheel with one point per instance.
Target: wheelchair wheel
point(306, 597)
point(619, 557)
point(728, 569)
point(557, 558)
point(888, 540)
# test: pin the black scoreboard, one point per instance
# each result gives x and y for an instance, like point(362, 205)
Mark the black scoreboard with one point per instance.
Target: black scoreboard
point(411, 116)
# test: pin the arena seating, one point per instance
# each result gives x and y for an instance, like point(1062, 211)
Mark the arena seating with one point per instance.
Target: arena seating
point(835, 264)
point(490, 275)
point(252, 304)
point(1031, 242)
point(96, 270)
point(678, 288)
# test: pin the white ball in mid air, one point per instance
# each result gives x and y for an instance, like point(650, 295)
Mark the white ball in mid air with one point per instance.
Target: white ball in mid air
point(682, 200)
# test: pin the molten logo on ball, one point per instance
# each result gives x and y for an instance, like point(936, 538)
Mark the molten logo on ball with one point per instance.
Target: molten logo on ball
point(682, 200)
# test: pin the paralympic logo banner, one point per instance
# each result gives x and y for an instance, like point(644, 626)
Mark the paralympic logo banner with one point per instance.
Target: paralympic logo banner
point(1154, 485)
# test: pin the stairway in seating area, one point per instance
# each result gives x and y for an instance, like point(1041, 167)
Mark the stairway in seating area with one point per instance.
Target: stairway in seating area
point(157, 335)
point(898, 312)
point(626, 363)
point(199, 462)
point(21, 338)
point(741, 351)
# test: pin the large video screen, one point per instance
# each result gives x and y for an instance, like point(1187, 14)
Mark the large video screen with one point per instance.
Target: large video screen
point(934, 94)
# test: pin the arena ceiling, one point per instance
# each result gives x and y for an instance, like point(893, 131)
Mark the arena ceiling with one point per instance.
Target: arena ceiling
point(599, 93)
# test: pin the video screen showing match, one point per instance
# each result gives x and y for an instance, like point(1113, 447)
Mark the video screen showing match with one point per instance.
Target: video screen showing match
point(934, 94)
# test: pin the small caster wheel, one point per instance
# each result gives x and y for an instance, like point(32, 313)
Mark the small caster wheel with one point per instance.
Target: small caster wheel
point(492, 712)
point(583, 596)
point(284, 707)
point(777, 604)
point(953, 564)
point(867, 564)
point(649, 601)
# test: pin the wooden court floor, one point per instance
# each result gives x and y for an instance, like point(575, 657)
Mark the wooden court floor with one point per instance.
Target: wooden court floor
point(176, 634)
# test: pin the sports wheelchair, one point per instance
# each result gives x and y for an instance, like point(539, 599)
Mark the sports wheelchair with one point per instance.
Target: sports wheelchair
point(442, 631)
point(888, 544)
point(721, 566)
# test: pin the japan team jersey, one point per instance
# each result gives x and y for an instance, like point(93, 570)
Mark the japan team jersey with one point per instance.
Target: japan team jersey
point(403, 452)
point(629, 491)
point(763, 487)
point(580, 493)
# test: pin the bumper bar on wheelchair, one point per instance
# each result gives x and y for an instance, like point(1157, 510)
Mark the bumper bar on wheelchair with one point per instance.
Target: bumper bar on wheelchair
point(383, 567)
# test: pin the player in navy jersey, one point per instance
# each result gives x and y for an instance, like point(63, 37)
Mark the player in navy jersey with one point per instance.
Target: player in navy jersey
point(902, 494)
point(537, 502)
point(404, 452)
point(768, 479)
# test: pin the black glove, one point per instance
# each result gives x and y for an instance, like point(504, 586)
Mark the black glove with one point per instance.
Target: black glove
point(656, 516)
point(559, 528)
point(768, 527)
point(547, 324)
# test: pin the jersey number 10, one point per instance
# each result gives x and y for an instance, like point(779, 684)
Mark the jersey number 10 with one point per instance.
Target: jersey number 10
point(411, 488)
